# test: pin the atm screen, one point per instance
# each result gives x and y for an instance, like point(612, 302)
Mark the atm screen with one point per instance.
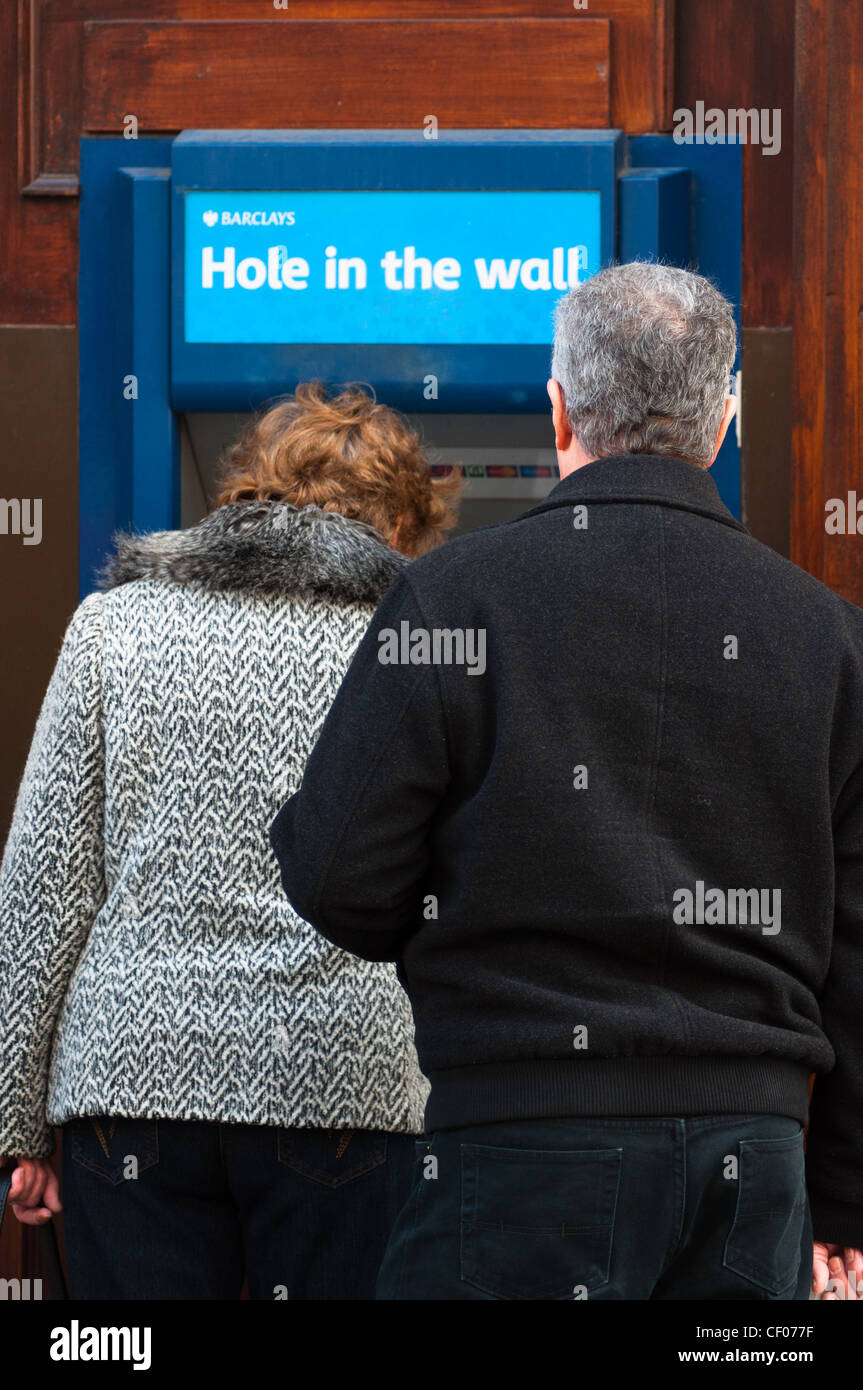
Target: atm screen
point(383, 267)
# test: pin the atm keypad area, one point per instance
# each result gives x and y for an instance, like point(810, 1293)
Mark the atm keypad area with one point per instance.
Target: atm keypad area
point(508, 461)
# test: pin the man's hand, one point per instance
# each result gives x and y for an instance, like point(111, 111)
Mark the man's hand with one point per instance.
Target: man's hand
point(837, 1272)
point(35, 1194)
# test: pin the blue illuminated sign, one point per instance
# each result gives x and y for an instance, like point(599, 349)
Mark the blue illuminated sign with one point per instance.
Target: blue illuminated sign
point(500, 222)
point(384, 267)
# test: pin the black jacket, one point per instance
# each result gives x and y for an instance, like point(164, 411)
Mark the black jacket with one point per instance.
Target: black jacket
point(669, 712)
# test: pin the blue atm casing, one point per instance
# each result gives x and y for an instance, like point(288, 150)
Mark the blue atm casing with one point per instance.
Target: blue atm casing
point(149, 209)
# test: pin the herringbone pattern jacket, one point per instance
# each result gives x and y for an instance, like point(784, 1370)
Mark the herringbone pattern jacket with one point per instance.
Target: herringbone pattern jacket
point(150, 964)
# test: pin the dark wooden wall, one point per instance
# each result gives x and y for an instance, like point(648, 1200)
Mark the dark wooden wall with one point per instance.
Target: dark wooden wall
point(730, 54)
point(80, 66)
point(828, 288)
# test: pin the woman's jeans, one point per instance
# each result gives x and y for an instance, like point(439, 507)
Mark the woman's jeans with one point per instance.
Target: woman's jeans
point(704, 1208)
point(186, 1210)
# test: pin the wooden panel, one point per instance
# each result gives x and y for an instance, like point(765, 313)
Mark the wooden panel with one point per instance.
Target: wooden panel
point(37, 245)
point(527, 72)
point(828, 279)
point(842, 450)
point(766, 420)
point(50, 57)
point(41, 63)
point(48, 120)
point(641, 41)
point(38, 417)
point(810, 251)
point(38, 409)
point(740, 54)
point(733, 55)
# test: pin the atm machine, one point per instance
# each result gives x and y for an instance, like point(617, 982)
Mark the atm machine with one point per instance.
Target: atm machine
point(220, 268)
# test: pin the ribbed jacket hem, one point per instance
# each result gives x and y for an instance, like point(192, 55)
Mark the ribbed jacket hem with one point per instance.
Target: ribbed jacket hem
point(140, 1107)
point(835, 1223)
point(618, 1086)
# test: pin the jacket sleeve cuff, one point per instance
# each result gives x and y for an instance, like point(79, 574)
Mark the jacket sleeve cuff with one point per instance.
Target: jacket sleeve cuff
point(836, 1223)
point(27, 1142)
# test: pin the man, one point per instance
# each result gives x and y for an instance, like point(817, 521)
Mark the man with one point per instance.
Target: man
point(594, 780)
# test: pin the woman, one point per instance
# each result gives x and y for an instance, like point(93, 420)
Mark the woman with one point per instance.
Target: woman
point(238, 1097)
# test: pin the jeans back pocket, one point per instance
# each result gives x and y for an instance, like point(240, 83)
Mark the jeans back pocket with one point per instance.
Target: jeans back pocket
point(537, 1223)
point(113, 1146)
point(332, 1157)
point(764, 1242)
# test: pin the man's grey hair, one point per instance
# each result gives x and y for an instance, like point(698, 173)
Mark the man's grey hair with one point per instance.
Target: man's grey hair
point(643, 353)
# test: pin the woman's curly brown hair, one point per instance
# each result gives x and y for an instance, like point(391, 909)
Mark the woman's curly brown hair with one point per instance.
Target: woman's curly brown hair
point(344, 453)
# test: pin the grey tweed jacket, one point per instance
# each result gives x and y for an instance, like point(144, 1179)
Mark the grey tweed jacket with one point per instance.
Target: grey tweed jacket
point(150, 964)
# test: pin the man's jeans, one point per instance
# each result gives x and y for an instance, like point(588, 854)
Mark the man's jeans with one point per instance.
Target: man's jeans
point(185, 1210)
point(712, 1207)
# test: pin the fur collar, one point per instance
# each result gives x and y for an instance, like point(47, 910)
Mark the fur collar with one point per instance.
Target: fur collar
point(263, 547)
